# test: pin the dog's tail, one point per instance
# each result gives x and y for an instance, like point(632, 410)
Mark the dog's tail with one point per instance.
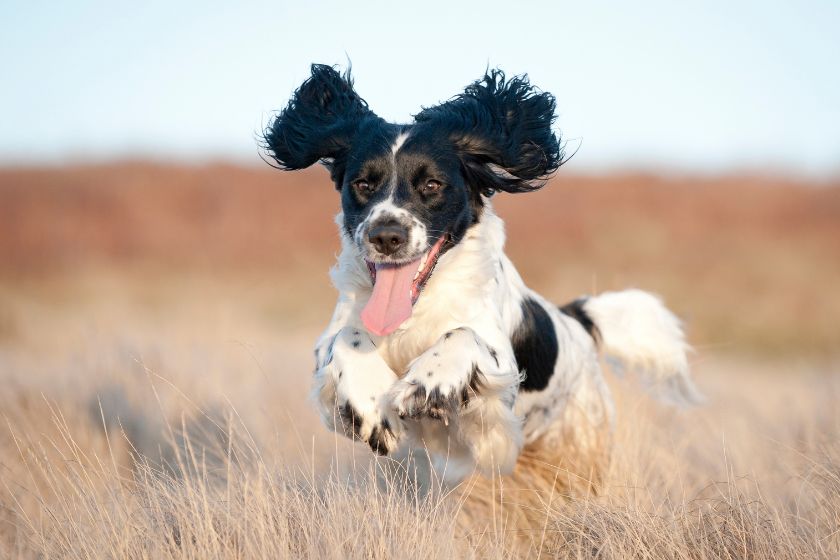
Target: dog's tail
point(636, 332)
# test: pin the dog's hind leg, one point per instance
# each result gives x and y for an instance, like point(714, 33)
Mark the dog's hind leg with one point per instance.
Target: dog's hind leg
point(350, 389)
point(465, 382)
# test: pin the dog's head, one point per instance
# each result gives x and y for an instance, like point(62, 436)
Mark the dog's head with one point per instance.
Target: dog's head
point(410, 192)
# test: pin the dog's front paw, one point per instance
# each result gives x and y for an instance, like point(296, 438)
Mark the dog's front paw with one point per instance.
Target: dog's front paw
point(379, 431)
point(416, 399)
point(437, 386)
point(360, 380)
point(444, 380)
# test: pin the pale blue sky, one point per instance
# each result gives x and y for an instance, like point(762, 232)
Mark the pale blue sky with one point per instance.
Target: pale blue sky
point(709, 86)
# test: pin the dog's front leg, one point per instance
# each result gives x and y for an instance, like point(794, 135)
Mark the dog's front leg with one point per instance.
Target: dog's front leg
point(464, 381)
point(351, 389)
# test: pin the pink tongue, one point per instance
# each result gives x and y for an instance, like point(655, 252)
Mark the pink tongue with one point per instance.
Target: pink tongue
point(390, 304)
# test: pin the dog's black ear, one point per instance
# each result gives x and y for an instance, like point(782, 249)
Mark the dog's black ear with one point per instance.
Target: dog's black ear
point(502, 129)
point(319, 122)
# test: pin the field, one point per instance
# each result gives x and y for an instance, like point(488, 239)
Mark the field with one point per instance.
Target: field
point(156, 326)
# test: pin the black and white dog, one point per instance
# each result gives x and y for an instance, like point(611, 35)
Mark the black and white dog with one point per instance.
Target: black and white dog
point(466, 363)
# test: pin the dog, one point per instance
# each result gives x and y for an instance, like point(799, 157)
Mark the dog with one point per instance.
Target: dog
point(436, 343)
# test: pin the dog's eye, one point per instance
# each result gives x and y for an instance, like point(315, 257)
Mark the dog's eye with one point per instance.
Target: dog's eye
point(430, 187)
point(362, 185)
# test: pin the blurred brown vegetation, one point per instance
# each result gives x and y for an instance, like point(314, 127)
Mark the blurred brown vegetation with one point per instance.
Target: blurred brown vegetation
point(751, 263)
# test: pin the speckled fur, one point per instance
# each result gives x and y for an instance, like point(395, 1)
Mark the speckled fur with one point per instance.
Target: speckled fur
point(469, 306)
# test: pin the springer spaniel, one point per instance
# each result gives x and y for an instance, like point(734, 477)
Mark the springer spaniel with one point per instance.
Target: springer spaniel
point(436, 343)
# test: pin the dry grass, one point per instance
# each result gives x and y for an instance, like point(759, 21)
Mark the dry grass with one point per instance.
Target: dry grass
point(79, 503)
point(246, 509)
point(211, 392)
point(198, 507)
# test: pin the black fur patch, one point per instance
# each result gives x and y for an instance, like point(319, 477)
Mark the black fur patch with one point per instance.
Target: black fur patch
point(494, 355)
point(351, 419)
point(441, 405)
point(319, 122)
point(575, 311)
point(378, 437)
point(535, 346)
point(416, 403)
point(476, 385)
point(330, 350)
point(500, 121)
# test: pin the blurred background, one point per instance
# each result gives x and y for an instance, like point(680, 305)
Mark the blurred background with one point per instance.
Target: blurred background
point(151, 264)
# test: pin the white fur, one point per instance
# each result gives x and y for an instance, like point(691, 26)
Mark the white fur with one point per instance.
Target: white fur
point(387, 210)
point(487, 425)
point(639, 333)
point(399, 142)
point(475, 296)
point(353, 372)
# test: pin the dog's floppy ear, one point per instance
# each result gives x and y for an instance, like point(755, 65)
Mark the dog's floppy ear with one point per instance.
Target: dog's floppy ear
point(502, 130)
point(319, 122)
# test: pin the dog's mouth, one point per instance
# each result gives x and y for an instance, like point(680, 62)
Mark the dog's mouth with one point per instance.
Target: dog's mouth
point(396, 288)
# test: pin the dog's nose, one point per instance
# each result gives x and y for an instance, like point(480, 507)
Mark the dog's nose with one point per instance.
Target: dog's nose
point(388, 239)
